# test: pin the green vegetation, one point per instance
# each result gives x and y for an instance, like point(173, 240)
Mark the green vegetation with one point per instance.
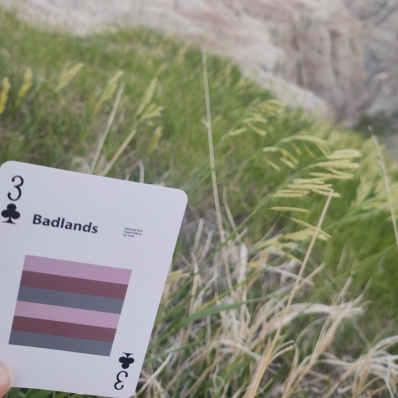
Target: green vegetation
point(131, 105)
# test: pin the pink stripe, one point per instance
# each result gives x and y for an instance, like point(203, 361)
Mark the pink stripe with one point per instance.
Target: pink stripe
point(77, 270)
point(65, 314)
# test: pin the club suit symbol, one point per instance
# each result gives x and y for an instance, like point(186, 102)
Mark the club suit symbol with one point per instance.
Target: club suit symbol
point(11, 213)
point(126, 361)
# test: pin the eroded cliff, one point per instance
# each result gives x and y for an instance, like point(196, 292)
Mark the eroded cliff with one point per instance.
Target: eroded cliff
point(319, 54)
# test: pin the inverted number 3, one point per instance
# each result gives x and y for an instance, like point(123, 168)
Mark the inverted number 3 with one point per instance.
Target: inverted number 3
point(117, 387)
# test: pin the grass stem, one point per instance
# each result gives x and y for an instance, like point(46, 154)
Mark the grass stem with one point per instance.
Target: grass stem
point(387, 185)
point(118, 153)
point(107, 128)
point(268, 357)
point(213, 167)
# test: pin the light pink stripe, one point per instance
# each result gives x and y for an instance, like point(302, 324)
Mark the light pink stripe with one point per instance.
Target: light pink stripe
point(65, 314)
point(77, 270)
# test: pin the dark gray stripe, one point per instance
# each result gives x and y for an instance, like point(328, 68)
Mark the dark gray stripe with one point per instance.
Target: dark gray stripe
point(73, 300)
point(60, 343)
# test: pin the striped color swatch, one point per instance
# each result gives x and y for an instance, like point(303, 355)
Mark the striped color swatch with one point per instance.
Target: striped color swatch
point(68, 306)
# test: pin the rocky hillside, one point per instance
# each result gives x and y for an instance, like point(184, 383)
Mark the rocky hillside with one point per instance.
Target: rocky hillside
point(326, 55)
point(379, 41)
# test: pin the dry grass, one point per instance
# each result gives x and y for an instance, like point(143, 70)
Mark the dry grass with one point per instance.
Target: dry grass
point(220, 354)
point(238, 317)
point(232, 346)
point(214, 337)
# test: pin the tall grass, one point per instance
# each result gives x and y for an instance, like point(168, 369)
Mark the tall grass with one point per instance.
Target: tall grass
point(283, 280)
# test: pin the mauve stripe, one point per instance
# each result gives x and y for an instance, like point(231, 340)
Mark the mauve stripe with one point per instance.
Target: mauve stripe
point(72, 300)
point(77, 270)
point(63, 329)
point(60, 343)
point(65, 314)
point(73, 285)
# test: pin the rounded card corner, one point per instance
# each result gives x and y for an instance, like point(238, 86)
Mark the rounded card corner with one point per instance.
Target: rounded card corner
point(128, 393)
point(8, 163)
point(184, 196)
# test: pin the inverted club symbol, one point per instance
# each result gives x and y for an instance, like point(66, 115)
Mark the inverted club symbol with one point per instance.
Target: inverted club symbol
point(126, 361)
point(11, 213)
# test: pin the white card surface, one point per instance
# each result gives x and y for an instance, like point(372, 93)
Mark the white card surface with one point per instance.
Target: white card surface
point(83, 263)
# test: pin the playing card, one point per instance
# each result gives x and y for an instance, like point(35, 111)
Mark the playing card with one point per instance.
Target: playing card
point(83, 264)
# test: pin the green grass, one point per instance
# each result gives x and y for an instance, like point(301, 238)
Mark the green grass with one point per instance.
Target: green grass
point(60, 118)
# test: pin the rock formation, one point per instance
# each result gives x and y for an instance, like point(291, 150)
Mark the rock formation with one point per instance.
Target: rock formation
point(321, 48)
point(379, 37)
point(318, 54)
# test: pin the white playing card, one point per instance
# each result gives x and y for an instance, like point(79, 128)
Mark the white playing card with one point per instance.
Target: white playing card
point(83, 262)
